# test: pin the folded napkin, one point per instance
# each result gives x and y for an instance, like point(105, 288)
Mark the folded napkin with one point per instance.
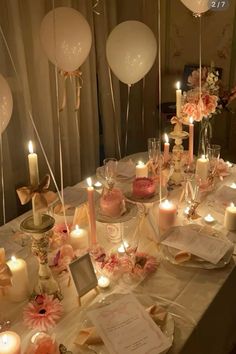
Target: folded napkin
point(126, 169)
point(90, 336)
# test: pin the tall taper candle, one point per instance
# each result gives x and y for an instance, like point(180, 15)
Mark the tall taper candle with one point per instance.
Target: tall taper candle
point(191, 137)
point(166, 148)
point(92, 218)
point(178, 99)
point(34, 181)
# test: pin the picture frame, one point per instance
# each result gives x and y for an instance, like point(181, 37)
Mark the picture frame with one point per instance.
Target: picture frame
point(83, 275)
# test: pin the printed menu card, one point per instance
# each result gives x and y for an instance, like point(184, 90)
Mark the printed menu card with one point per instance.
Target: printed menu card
point(126, 328)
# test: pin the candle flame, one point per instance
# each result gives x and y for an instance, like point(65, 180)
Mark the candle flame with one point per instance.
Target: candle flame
point(89, 181)
point(166, 138)
point(178, 85)
point(232, 205)
point(166, 203)
point(77, 228)
point(4, 339)
point(140, 163)
point(191, 120)
point(30, 147)
point(13, 258)
point(203, 156)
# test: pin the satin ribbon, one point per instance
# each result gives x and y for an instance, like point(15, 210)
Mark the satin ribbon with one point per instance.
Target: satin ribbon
point(178, 123)
point(76, 74)
point(5, 275)
point(42, 196)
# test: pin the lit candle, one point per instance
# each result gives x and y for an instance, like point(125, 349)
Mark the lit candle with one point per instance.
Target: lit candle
point(167, 214)
point(79, 238)
point(33, 165)
point(91, 207)
point(121, 249)
point(34, 181)
point(191, 137)
point(186, 211)
point(230, 217)
point(19, 290)
point(10, 343)
point(202, 168)
point(166, 148)
point(209, 219)
point(178, 99)
point(141, 170)
point(97, 185)
point(103, 282)
point(233, 185)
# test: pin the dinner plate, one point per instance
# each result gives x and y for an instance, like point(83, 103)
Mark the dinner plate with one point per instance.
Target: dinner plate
point(147, 301)
point(131, 212)
point(154, 198)
point(169, 254)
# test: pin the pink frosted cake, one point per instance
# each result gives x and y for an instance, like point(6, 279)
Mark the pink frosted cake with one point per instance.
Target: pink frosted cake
point(144, 187)
point(112, 203)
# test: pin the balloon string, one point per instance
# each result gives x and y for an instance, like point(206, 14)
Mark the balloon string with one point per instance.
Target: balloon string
point(127, 119)
point(30, 115)
point(77, 122)
point(114, 114)
point(200, 65)
point(2, 182)
point(159, 95)
point(143, 108)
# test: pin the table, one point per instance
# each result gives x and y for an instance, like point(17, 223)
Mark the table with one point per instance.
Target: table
point(202, 301)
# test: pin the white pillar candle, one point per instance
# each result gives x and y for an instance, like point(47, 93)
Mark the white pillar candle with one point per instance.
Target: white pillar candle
point(178, 99)
point(230, 217)
point(202, 168)
point(167, 214)
point(34, 181)
point(79, 238)
point(92, 216)
point(166, 148)
point(10, 343)
point(141, 170)
point(103, 282)
point(19, 290)
point(191, 140)
point(33, 165)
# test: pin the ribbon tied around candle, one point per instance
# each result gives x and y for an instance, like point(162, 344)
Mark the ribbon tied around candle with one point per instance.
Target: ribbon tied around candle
point(77, 74)
point(178, 124)
point(43, 197)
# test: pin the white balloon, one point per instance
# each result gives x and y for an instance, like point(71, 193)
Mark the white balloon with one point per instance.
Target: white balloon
point(66, 38)
point(131, 50)
point(197, 6)
point(6, 104)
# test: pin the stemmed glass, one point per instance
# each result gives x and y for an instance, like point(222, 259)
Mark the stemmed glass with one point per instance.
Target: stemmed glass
point(110, 172)
point(153, 150)
point(213, 153)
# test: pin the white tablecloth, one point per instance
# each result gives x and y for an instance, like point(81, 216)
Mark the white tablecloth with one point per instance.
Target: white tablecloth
point(202, 301)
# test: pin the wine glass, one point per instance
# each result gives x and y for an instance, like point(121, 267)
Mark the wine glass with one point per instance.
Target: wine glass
point(110, 171)
point(213, 153)
point(153, 150)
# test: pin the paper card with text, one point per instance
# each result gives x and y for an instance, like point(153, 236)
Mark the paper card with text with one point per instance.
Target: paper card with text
point(193, 239)
point(126, 328)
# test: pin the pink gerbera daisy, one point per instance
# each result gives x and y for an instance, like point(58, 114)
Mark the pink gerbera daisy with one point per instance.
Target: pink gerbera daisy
point(42, 313)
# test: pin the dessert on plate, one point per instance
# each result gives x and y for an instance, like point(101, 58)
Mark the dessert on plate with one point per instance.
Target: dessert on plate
point(144, 187)
point(112, 202)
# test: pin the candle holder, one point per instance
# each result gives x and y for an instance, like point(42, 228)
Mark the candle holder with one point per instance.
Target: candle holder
point(178, 149)
point(40, 245)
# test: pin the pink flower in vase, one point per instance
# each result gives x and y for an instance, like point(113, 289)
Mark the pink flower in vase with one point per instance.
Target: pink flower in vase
point(42, 314)
point(60, 235)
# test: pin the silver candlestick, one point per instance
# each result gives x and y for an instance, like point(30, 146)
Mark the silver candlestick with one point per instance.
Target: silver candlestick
point(40, 245)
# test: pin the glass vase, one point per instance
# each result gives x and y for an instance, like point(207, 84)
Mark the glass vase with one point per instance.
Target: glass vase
point(205, 136)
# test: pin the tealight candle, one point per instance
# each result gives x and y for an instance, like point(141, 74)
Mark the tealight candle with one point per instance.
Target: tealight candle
point(233, 185)
point(121, 249)
point(178, 99)
point(79, 238)
point(10, 343)
point(209, 218)
point(103, 282)
point(141, 170)
point(19, 290)
point(97, 185)
point(202, 168)
point(230, 217)
point(167, 214)
point(166, 148)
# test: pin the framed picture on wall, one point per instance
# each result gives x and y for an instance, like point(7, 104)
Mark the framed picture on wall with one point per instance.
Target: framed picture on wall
point(83, 274)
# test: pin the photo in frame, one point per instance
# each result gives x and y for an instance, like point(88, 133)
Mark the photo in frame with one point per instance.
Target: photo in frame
point(83, 274)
